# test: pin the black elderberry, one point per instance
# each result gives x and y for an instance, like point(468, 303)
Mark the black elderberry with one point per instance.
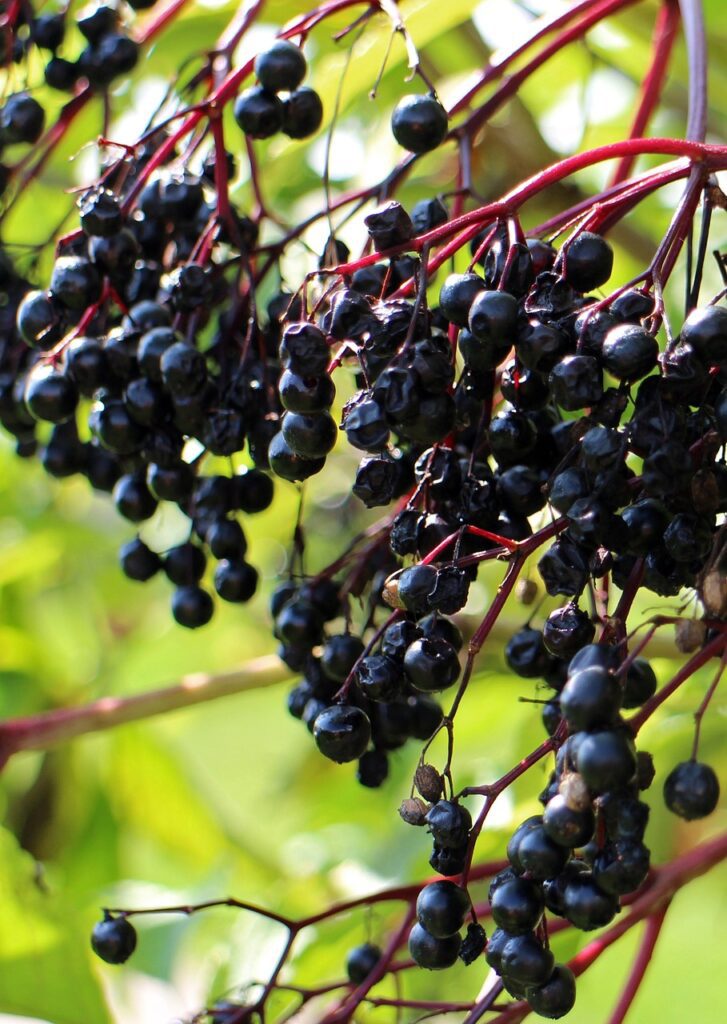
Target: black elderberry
point(565, 825)
point(389, 225)
point(632, 305)
point(621, 867)
point(526, 655)
point(482, 354)
point(113, 939)
point(512, 435)
point(557, 996)
point(342, 732)
point(184, 564)
point(705, 329)
point(133, 499)
point(431, 953)
point(49, 394)
point(492, 315)
point(563, 568)
point(183, 369)
point(138, 562)
point(457, 295)
point(309, 435)
point(586, 905)
point(524, 959)
point(590, 698)
point(146, 402)
point(47, 31)
point(397, 638)
point(61, 74)
point(629, 352)
point(449, 823)
point(282, 67)
point(431, 664)
point(419, 123)
point(170, 483)
point(540, 346)
point(576, 382)
point(192, 607)
point(606, 760)
point(538, 855)
point(235, 580)
point(441, 908)
point(307, 394)
point(378, 480)
point(252, 491)
point(86, 365)
point(304, 350)
point(361, 961)
point(647, 521)
point(100, 213)
point(21, 119)
point(566, 630)
point(639, 684)
point(691, 790)
point(414, 586)
point(495, 946)
point(258, 112)
point(428, 214)
point(587, 261)
point(302, 113)
point(516, 904)
point(688, 539)
point(373, 769)
point(379, 677)
point(435, 626)
point(75, 282)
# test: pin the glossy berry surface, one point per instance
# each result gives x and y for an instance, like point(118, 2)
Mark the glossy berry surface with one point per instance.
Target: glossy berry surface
point(441, 908)
point(691, 790)
point(113, 939)
point(431, 953)
point(361, 961)
point(342, 733)
point(419, 123)
point(281, 67)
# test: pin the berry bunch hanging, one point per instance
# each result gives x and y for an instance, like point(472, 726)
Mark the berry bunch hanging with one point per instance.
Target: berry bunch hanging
point(502, 395)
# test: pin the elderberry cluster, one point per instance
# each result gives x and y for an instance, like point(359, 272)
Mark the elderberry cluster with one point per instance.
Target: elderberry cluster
point(259, 110)
point(162, 387)
point(91, 46)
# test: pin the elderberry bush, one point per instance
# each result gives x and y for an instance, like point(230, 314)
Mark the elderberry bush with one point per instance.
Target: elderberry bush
point(503, 408)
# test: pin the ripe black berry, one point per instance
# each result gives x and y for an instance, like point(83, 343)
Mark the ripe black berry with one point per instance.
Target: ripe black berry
point(302, 113)
point(258, 112)
point(691, 790)
point(517, 905)
point(557, 996)
point(342, 732)
point(441, 908)
point(281, 67)
point(432, 953)
point(192, 607)
point(419, 123)
point(361, 961)
point(587, 262)
point(113, 939)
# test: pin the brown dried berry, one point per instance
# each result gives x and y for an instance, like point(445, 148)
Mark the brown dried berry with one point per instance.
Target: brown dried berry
point(413, 811)
point(689, 635)
point(429, 782)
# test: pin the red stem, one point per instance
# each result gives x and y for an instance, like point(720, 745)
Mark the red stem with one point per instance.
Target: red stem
point(643, 958)
point(665, 31)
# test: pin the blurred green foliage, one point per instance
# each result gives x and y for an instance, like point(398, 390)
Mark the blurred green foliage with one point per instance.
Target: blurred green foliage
point(232, 797)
